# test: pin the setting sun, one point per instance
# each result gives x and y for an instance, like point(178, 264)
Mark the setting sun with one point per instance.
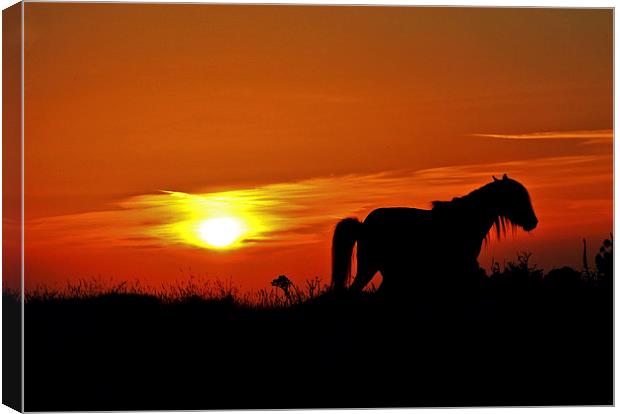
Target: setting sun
point(220, 232)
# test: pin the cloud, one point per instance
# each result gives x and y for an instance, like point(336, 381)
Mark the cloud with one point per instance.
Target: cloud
point(303, 212)
point(589, 136)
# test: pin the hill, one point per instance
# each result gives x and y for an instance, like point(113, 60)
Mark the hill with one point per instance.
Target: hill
point(518, 337)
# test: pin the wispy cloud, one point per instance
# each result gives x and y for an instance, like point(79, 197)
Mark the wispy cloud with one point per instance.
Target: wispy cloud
point(305, 211)
point(273, 214)
point(589, 136)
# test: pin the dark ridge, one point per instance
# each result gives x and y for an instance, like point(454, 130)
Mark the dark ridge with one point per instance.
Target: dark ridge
point(515, 338)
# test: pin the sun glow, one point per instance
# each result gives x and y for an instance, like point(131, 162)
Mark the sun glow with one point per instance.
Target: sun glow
point(217, 221)
point(220, 232)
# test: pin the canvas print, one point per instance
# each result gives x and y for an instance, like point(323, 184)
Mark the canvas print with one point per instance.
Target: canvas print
point(285, 206)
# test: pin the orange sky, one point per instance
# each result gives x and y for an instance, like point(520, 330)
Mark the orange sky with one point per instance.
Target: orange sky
point(303, 115)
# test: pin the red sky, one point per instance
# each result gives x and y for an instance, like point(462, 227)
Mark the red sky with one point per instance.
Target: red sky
point(291, 118)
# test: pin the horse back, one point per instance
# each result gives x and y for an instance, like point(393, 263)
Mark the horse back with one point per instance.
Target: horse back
point(398, 217)
point(400, 237)
point(397, 229)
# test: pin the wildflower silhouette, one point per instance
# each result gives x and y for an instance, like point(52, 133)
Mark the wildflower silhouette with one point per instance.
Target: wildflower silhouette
point(284, 283)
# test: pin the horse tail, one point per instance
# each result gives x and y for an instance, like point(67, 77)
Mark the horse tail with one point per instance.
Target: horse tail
point(347, 232)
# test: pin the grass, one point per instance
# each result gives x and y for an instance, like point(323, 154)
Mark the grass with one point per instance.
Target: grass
point(518, 337)
point(188, 289)
point(282, 293)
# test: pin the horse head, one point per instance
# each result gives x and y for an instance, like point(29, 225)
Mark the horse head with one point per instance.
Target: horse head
point(514, 203)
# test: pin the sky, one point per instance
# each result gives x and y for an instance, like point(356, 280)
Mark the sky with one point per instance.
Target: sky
point(144, 122)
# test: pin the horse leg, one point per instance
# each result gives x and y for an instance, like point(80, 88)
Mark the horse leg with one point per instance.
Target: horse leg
point(365, 269)
point(362, 278)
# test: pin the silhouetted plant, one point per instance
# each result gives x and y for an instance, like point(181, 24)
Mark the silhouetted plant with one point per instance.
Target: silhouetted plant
point(284, 283)
point(520, 273)
point(586, 267)
point(605, 259)
point(524, 268)
point(313, 287)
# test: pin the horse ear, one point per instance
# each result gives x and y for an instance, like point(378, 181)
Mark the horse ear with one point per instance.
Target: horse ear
point(494, 178)
point(505, 177)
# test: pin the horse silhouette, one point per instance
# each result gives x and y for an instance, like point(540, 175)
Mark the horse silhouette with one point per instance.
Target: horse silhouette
point(408, 245)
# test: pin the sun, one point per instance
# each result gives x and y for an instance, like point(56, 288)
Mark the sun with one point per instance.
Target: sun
point(220, 232)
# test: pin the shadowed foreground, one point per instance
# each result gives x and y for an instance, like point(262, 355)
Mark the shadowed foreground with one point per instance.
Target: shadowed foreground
point(515, 339)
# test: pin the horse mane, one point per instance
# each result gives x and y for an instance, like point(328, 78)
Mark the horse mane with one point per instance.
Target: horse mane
point(477, 199)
